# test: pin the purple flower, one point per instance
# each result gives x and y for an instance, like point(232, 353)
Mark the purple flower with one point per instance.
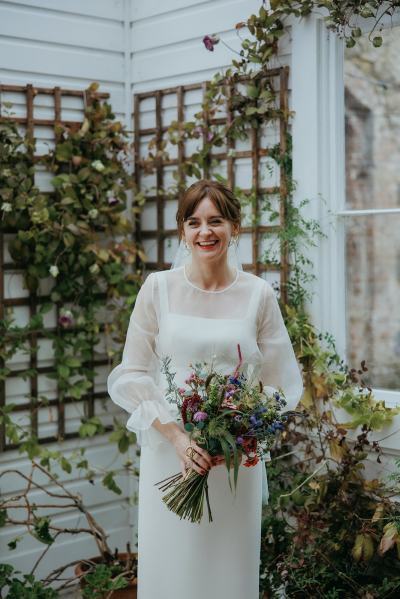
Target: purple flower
point(200, 416)
point(239, 440)
point(210, 136)
point(65, 319)
point(210, 41)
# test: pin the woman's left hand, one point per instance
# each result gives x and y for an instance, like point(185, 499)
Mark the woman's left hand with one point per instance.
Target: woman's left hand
point(219, 460)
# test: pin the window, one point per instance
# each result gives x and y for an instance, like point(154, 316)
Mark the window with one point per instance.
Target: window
point(346, 162)
point(371, 218)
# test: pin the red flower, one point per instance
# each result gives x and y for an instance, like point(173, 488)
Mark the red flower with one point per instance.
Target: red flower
point(251, 461)
point(190, 404)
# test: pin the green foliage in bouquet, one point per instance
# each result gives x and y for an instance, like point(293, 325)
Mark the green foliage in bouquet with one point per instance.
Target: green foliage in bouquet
point(227, 415)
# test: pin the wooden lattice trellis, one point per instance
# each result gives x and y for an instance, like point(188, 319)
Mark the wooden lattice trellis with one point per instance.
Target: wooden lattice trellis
point(29, 122)
point(278, 79)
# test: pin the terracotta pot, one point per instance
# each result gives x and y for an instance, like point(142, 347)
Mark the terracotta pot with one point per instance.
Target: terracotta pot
point(129, 592)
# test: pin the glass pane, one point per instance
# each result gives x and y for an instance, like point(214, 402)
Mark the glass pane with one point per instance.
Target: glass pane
point(372, 109)
point(373, 297)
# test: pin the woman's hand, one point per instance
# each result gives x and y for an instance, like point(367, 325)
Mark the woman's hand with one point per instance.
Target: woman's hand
point(218, 460)
point(201, 461)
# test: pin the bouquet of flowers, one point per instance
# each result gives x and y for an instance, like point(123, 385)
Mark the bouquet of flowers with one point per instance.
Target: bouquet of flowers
point(227, 415)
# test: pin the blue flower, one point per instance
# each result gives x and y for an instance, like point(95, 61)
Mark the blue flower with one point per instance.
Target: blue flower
point(239, 440)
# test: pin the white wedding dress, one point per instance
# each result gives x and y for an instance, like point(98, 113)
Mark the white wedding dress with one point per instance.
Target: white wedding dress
point(173, 317)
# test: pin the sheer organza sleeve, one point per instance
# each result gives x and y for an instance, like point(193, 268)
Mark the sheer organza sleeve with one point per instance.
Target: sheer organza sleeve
point(133, 383)
point(279, 367)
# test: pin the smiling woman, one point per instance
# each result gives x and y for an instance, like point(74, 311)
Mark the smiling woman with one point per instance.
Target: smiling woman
point(199, 313)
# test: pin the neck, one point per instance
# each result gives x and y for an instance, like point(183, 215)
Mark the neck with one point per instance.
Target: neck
point(210, 276)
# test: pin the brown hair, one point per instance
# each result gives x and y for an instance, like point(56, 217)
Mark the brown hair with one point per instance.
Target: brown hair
point(220, 195)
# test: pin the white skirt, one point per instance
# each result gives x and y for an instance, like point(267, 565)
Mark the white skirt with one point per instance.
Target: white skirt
point(182, 560)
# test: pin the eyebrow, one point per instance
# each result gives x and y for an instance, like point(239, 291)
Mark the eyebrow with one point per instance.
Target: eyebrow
point(210, 217)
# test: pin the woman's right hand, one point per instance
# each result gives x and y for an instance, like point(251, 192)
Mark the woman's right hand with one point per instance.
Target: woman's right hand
point(201, 461)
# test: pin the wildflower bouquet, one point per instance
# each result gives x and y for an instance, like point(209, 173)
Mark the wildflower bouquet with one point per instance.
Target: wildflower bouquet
point(227, 415)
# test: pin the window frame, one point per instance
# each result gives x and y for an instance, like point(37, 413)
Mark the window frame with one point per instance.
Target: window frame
point(319, 168)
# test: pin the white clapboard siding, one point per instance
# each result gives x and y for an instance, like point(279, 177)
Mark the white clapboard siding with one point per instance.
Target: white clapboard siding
point(69, 44)
point(167, 47)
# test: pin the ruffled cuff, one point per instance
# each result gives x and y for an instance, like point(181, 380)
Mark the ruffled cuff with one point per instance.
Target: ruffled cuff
point(140, 422)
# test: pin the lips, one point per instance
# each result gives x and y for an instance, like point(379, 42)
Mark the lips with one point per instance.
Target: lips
point(208, 244)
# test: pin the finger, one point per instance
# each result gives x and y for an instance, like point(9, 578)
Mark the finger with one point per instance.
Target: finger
point(202, 461)
point(196, 466)
point(204, 454)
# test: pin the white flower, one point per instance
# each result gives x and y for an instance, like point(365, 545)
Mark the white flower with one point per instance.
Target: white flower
point(98, 165)
point(6, 207)
point(94, 269)
point(93, 213)
point(54, 270)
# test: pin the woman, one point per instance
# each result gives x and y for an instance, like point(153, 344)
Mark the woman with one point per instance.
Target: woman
point(199, 312)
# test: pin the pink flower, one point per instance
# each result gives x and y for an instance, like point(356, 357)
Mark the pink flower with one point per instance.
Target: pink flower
point(210, 41)
point(65, 319)
point(200, 416)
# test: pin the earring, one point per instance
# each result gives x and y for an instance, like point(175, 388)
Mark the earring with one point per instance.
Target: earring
point(187, 248)
point(233, 240)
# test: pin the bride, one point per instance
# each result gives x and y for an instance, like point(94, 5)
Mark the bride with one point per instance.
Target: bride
point(199, 311)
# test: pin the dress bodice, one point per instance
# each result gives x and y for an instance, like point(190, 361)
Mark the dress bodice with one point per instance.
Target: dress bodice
point(191, 338)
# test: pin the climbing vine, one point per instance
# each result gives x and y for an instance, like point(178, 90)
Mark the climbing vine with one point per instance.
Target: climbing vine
point(75, 243)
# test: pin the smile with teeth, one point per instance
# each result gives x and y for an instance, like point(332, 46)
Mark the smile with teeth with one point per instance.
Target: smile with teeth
point(207, 243)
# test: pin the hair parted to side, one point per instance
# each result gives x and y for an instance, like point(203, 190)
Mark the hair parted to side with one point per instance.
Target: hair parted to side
point(222, 197)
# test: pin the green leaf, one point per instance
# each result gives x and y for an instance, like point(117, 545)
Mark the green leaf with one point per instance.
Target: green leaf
point(66, 465)
point(109, 482)
point(63, 371)
point(13, 544)
point(227, 454)
point(41, 530)
point(72, 362)
point(123, 443)
point(189, 427)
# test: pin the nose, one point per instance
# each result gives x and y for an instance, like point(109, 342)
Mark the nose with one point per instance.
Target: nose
point(204, 228)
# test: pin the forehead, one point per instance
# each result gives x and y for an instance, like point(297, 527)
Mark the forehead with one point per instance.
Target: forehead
point(205, 207)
